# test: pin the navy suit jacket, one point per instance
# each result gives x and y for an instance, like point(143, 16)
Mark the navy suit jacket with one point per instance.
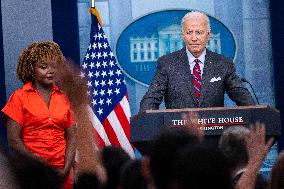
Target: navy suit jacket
point(173, 83)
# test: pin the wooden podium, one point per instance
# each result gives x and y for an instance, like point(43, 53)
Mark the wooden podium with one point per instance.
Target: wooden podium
point(146, 125)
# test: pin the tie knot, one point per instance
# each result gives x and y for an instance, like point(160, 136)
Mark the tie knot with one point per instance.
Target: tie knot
point(197, 61)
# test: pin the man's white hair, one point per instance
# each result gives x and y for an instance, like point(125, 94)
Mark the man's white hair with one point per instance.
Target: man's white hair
point(196, 14)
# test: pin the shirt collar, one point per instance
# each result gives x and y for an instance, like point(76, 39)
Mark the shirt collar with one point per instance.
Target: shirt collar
point(29, 86)
point(191, 58)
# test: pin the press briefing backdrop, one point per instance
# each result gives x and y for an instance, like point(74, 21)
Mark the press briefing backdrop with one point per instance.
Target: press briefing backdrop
point(141, 30)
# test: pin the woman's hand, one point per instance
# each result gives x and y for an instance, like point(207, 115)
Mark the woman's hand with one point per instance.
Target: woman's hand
point(15, 141)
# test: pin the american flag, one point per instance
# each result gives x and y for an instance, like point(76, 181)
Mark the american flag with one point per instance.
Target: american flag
point(109, 107)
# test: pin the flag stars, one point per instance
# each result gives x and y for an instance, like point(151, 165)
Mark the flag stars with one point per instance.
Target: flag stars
point(110, 82)
point(103, 83)
point(100, 111)
point(105, 80)
point(95, 36)
point(94, 102)
point(87, 56)
point(98, 65)
point(105, 45)
point(111, 54)
point(110, 73)
point(84, 65)
point(101, 102)
point(96, 83)
point(109, 92)
point(118, 72)
point(99, 55)
point(117, 91)
point(97, 74)
point(95, 92)
point(94, 46)
point(89, 84)
point(100, 36)
point(100, 45)
point(104, 64)
point(118, 81)
point(111, 63)
point(90, 74)
point(92, 65)
point(102, 92)
point(82, 75)
point(93, 55)
point(104, 74)
point(108, 101)
point(105, 55)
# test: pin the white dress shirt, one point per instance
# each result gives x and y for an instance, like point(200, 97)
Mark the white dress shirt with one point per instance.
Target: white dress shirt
point(191, 59)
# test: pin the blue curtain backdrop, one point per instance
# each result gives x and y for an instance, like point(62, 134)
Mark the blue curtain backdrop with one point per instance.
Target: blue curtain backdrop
point(277, 24)
point(65, 27)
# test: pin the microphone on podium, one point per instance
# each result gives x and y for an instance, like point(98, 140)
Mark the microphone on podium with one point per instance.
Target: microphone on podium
point(246, 81)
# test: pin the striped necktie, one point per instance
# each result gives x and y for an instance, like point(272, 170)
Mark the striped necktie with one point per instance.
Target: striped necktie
point(196, 78)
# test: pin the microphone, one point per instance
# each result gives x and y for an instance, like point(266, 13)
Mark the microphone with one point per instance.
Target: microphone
point(246, 81)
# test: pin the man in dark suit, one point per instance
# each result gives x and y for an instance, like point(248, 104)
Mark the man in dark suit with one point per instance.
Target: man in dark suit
point(194, 76)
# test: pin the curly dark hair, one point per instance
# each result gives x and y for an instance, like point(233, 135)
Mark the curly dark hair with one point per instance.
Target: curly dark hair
point(35, 52)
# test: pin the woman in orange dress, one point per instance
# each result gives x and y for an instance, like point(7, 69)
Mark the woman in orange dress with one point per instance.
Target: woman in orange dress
point(39, 117)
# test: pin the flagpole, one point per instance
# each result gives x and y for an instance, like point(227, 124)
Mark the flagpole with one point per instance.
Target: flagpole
point(93, 3)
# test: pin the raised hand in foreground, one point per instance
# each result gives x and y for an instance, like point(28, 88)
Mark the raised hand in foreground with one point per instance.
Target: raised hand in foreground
point(191, 119)
point(257, 149)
